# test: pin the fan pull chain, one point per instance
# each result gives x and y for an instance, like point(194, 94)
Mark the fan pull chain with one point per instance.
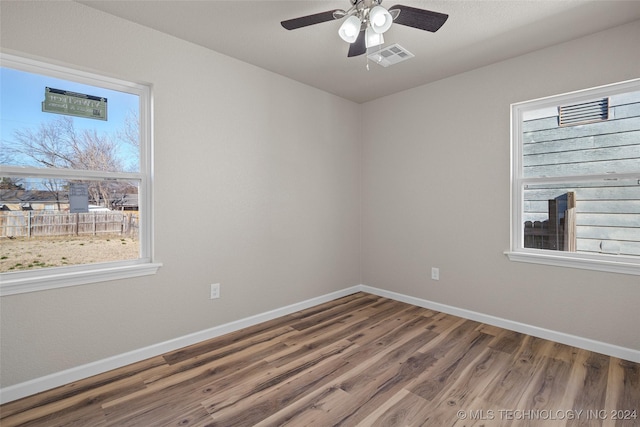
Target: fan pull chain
point(379, 50)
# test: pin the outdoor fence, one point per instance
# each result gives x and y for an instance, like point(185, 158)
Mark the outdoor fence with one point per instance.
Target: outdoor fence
point(558, 233)
point(56, 223)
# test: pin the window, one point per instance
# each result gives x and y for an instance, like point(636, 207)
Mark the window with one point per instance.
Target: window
point(75, 177)
point(576, 179)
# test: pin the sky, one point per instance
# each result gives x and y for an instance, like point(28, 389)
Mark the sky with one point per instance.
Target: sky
point(22, 94)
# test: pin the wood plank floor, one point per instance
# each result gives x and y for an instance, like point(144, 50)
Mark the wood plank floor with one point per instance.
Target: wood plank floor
point(361, 360)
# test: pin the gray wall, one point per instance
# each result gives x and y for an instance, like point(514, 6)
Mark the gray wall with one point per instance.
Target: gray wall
point(447, 153)
point(247, 151)
point(298, 209)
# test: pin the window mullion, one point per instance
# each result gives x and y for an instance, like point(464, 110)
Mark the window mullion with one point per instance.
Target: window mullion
point(579, 178)
point(67, 173)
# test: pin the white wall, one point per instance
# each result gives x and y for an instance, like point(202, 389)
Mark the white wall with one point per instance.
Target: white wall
point(436, 193)
point(253, 190)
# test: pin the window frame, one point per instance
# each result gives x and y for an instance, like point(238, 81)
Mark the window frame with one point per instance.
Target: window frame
point(56, 277)
point(581, 260)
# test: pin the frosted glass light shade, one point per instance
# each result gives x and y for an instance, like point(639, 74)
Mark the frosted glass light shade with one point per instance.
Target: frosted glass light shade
point(373, 39)
point(380, 19)
point(350, 29)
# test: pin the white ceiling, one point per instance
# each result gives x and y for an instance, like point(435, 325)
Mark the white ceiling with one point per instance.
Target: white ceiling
point(477, 33)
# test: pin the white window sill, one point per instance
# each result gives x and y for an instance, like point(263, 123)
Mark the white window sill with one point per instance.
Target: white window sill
point(611, 264)
point(51, 278)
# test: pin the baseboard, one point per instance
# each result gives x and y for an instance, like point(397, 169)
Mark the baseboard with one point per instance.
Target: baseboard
point(568, 339)
point(57, 379)
point(47, 382)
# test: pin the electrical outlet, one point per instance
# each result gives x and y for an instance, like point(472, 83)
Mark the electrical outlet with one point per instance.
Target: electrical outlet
point(435, 273)
point(215, 291)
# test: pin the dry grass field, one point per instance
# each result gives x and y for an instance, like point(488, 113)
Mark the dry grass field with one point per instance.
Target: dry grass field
point(25, 254)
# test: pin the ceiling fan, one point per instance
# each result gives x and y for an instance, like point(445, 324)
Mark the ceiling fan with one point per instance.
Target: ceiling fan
point(367, 20)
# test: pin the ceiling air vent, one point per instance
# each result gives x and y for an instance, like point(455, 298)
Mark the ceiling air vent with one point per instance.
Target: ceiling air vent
point(390, 55)
point(586, 112)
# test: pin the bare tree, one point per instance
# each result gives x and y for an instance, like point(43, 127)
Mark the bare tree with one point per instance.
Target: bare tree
point(8, 182)
point(130, 133)
point(57, 144)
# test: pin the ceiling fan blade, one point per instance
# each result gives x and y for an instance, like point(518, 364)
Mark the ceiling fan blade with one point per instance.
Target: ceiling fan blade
point(419, 18)
point(304, 21)
point(358, 47)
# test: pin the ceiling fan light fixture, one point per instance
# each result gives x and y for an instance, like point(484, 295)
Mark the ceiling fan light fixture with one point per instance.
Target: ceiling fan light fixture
point(350, 29)
point(366, 20)
point(373, 38)
point(380, 19)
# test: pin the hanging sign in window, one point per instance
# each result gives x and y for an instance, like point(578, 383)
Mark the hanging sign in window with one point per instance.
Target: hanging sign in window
point(78, 198)
point(74, 104)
